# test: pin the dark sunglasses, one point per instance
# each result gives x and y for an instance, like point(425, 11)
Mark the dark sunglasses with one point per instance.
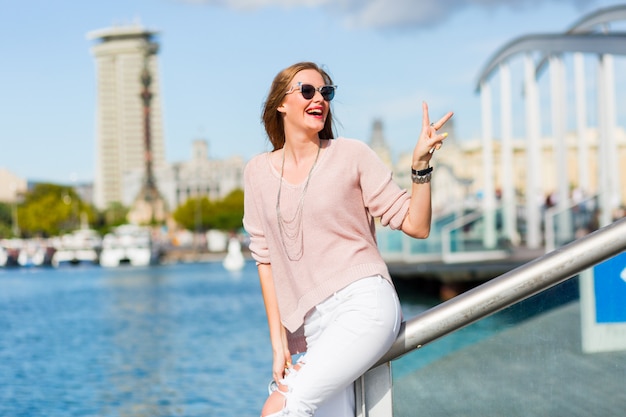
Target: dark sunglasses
point(308, 91)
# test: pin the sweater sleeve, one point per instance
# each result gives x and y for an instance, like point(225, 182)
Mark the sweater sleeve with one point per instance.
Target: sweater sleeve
point(252, 220)
point(381, 195)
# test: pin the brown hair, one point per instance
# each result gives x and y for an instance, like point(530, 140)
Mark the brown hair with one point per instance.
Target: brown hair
point(273, 119)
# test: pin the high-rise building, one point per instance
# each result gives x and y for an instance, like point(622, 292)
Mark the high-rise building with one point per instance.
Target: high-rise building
point(121, 54)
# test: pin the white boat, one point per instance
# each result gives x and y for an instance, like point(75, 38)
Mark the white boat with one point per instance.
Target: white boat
point(234, 260)
point(79, 247)
point(128, 244)
point(31, 253)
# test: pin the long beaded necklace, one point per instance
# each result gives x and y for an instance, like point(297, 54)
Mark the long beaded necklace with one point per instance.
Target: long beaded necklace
point(291, 231)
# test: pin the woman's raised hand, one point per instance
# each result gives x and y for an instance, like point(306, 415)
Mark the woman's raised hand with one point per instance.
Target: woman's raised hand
point(429, 139)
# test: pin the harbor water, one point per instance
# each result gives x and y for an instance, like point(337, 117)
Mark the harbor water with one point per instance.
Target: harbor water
point(172, 340)
point(169, 340)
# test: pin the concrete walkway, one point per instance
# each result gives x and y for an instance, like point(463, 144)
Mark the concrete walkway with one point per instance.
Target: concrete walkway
point(534, 369)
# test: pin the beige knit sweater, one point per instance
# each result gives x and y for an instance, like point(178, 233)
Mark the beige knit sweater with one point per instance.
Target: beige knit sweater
point(349, 187)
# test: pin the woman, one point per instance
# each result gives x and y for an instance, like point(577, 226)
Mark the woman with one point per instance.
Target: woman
point(310, 206)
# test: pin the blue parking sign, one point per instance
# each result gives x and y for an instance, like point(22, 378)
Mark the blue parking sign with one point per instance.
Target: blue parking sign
point(610, 290)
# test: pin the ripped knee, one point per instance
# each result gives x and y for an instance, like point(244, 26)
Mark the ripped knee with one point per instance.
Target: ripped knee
point(274, 403)
point(277, 400)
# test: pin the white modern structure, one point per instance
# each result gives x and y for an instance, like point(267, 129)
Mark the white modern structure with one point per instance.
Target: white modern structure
point(120, 53)
point(550, 166)
point(589, 39)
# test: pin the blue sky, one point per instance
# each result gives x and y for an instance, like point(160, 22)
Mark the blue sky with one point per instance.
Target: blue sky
point(218, 58)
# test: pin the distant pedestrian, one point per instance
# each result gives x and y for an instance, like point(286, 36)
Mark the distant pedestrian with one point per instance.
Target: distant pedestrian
point(310, 206)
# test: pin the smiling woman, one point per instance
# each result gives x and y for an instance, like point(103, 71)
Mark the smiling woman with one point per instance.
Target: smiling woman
point(327, 291)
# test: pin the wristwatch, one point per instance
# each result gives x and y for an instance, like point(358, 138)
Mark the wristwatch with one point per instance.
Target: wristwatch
point(422, 176)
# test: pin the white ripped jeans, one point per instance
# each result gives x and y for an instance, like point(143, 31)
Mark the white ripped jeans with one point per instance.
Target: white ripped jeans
point(346, 334)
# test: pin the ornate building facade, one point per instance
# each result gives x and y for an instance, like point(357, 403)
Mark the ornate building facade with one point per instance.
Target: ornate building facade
point(200, 176)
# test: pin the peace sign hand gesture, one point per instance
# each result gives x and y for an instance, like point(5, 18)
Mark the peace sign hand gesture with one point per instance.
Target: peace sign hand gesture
point(429, 139)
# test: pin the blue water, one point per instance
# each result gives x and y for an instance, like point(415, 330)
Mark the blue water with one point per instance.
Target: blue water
point(179, 340)
point(173, 340)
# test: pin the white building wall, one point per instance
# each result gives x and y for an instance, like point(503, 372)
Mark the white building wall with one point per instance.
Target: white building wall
point(11, 186)
point(119, 55)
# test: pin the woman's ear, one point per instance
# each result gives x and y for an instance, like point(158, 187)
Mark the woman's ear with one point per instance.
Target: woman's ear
point(282, 108)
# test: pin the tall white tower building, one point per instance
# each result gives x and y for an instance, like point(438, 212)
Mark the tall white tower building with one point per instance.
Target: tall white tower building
point(121, 53)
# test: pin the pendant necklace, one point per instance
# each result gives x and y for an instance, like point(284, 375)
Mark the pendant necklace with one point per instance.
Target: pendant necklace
point(291, 231)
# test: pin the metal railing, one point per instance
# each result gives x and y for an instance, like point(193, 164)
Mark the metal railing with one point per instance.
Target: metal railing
point(374, 389)
point(451, 255)
point(448, 242)
point(568, 229)
point(509, 288)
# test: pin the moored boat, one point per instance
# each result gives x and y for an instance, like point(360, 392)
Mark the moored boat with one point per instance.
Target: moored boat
point(79, 247)
point(128, 244)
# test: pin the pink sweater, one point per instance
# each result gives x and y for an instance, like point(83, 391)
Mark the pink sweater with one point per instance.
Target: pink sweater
point(349, 187)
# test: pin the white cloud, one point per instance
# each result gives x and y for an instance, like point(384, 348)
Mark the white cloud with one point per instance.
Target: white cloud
point(387, 14)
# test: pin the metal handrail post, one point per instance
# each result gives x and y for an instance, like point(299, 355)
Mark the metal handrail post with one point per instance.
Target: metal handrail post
point(551, 213)
point(509, 288)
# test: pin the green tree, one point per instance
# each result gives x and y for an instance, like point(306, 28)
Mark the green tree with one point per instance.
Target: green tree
point(229, 212)
point(6, 220)
point(114, 215)
point(195, 214)
point(201, 214)
point(50, 210)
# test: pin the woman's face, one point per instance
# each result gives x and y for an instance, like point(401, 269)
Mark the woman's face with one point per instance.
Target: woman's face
point(304, 114)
